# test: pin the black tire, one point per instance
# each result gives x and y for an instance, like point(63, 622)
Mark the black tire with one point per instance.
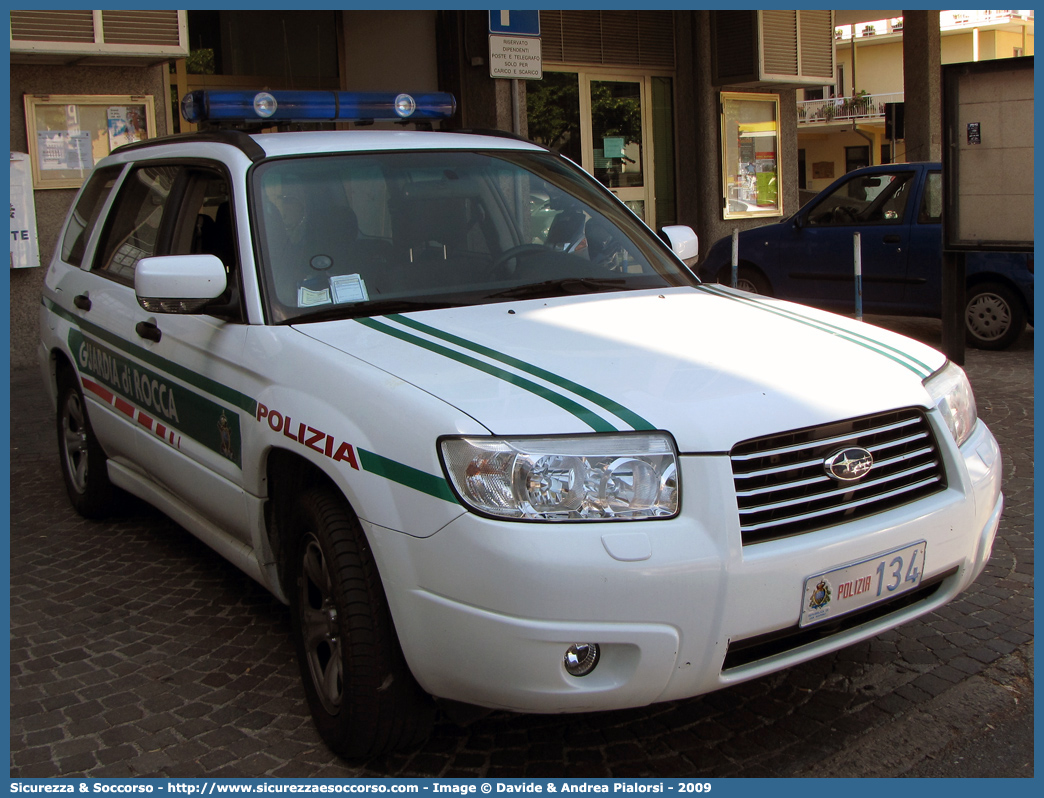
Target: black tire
point(994, 316)
point(82, 459)
point(749, 280)
point(363, 698)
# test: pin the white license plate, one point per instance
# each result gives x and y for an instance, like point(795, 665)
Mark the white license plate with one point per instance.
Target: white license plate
point(861, 584)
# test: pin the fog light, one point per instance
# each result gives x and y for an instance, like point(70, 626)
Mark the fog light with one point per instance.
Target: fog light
point(581, 658)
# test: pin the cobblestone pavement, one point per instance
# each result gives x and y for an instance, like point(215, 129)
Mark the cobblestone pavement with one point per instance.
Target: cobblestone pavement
point(136, 651)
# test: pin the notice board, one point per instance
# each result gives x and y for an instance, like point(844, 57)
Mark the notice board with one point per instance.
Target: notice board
point(988, 155)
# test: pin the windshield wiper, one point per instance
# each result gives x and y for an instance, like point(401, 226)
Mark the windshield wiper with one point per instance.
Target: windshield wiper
point(563, 286)
point(356, 309)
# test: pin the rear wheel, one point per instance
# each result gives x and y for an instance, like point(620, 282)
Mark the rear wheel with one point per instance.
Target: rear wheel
point(362, 696)
point(83, 461)
point(994, 317)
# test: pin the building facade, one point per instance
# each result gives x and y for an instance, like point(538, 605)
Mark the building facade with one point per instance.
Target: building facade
point(858, 120)
point(689, 116)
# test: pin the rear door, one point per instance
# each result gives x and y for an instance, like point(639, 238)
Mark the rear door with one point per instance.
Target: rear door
point(819, 258)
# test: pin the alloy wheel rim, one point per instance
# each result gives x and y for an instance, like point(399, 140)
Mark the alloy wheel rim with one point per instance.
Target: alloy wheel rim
point(320, 627)
point(74, 442)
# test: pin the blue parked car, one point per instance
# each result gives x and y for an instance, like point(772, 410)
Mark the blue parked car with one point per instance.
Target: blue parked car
point(897, 209)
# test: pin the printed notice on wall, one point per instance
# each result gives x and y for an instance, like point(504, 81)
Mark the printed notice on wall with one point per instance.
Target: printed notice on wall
point(25, 247)
point(126, 125)
point(60, 149)
point(515, 57)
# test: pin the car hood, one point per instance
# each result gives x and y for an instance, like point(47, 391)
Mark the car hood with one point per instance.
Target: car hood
point(710, 365)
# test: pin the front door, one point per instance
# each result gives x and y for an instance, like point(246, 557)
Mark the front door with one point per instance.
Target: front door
point(604, 123)
point(172, 381)
point(821, 253)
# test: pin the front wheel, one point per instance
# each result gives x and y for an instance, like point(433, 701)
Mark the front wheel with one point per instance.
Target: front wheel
point(84, 469)
point(362, 696)
point(994, 316)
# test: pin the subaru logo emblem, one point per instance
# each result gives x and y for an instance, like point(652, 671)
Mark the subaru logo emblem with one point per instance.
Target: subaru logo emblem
point(848, 465)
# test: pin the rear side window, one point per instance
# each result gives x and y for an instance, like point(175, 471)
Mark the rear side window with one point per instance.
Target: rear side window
point(133, 232)
point(85, 213)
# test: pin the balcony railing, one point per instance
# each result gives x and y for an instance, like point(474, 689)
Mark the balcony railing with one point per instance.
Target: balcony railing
point(845, 109)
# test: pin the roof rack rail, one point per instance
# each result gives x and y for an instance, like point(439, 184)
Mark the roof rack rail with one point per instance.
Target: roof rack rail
point(234, 138)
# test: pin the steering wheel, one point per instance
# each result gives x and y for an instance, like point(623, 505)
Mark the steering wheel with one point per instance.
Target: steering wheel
point(844, 215)
point(514, 253)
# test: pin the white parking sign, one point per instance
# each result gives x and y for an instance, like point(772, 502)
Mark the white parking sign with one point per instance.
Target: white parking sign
point(515, 57)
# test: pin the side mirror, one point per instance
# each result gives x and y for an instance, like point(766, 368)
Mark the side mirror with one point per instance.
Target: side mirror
point(179, 283)
point(684, 242)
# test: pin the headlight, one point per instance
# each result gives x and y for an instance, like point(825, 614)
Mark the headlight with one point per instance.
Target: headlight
point(587, 478)
point(952, 394)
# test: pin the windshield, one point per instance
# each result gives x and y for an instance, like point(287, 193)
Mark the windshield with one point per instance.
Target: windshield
point(373, 233)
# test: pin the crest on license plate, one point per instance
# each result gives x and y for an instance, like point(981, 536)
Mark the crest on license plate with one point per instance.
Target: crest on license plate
point(820, 595)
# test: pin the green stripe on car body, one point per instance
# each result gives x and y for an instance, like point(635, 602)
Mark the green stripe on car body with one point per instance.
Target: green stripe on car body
point(409, 476)
point(172, 405)
point(370, 462)
point(214, 388)
point(618, 410)
point(591, 419)
point(899, 356)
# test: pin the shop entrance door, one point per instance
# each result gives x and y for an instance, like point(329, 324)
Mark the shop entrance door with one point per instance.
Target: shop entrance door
point(603, 122)
point(617, 155)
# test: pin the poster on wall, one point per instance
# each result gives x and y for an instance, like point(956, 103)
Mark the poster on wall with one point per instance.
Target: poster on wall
point(62, 149)
point(126, 125)
point(25, 247)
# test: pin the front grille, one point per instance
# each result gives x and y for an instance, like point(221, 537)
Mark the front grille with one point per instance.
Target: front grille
point(782, 487)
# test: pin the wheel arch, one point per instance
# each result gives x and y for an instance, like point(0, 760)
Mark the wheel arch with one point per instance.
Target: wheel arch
point(287, 475)
point(60, 368)
point(724, 276)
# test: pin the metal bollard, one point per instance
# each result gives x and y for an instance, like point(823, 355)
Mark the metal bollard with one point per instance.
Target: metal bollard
point(735, 257)
point(857, 243)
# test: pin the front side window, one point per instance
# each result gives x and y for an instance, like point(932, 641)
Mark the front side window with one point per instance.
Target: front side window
point(133, 231)
point(865, 199)
point(353, 235)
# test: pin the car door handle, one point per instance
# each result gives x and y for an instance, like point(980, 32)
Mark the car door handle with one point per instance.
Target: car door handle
point(893, 239)
point(82, 301)
point(146, 329)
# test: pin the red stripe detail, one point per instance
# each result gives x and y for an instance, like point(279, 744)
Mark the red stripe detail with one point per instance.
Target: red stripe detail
point(127, 408)
point(124, 406)
point(98, 390)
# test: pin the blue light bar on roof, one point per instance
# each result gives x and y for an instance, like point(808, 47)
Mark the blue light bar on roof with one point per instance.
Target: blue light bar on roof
point(313, 106)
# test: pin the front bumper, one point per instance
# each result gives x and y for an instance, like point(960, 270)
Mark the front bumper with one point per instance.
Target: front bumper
point(485, 610)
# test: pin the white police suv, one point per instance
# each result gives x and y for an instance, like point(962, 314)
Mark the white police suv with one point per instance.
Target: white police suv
point(483, 430)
